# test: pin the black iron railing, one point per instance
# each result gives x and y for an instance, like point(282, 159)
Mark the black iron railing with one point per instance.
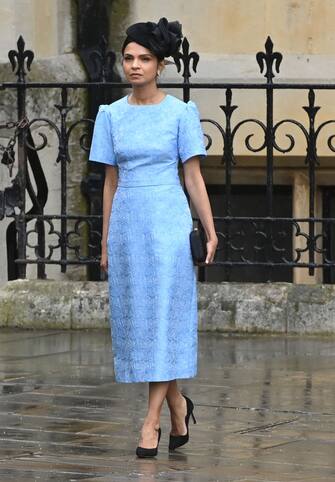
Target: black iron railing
point(235, 246)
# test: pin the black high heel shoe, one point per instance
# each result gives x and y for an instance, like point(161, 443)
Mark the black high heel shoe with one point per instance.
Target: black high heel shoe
point(179, 440)
point(143, 452)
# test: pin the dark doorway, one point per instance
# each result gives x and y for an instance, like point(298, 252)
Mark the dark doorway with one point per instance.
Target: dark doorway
point(250, 201)
point(328, 209)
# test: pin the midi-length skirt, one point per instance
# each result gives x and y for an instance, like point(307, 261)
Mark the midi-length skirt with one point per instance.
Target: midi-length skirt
point(152, 284)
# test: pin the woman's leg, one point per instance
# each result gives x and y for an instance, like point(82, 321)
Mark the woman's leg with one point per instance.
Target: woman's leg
point(149, 434)
point(178, 409)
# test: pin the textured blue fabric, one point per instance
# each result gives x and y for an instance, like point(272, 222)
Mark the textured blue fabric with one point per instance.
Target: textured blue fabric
point(152, 279)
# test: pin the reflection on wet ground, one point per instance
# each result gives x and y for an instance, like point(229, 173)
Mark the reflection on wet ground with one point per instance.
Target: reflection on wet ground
point(265, 410)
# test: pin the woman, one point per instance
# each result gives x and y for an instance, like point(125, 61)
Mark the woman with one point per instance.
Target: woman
point(146, 226)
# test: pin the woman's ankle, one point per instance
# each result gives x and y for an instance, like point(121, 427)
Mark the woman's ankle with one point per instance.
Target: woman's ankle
point(152, 422)
point(176, 404)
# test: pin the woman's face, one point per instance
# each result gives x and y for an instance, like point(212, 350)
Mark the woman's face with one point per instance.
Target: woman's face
point(140, 66)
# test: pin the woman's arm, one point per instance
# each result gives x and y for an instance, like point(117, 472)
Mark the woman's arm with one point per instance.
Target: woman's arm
point(110, 185)
point(196, 188)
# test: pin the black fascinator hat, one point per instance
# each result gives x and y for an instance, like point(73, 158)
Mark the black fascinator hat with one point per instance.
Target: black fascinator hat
point(162, 38)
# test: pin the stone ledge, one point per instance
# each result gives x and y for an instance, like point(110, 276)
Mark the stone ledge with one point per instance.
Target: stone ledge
point(223, 307)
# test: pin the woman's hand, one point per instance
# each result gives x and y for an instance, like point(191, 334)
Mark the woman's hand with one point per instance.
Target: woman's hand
point(211, 248)
point(104, 259)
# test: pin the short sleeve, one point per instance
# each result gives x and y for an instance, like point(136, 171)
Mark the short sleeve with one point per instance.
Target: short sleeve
point(190, 134)
point(102, 148)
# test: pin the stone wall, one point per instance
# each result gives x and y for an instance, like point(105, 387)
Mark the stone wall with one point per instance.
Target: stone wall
point(41, 103)
point(49, 29)
point(223, 307)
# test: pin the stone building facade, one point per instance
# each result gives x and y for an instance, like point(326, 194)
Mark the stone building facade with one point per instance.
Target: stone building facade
point(226, 34)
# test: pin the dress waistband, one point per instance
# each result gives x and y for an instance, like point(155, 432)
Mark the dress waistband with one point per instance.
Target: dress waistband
point(148, 185)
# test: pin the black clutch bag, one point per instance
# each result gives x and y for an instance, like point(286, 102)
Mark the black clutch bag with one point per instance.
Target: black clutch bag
point(198, 245)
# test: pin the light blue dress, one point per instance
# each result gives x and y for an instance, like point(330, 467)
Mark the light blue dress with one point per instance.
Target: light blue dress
point(152, 279)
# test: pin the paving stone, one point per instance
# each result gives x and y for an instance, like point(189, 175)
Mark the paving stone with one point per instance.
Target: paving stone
point(264, 407)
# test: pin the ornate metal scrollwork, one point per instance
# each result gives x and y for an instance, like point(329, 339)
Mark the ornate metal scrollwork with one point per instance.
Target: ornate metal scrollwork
point(51, 237)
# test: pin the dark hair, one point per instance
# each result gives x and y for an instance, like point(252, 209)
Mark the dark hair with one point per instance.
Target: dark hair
point(129, 39)
point(163, 39)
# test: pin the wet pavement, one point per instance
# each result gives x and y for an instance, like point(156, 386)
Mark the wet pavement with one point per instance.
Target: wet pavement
point(265, 410)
